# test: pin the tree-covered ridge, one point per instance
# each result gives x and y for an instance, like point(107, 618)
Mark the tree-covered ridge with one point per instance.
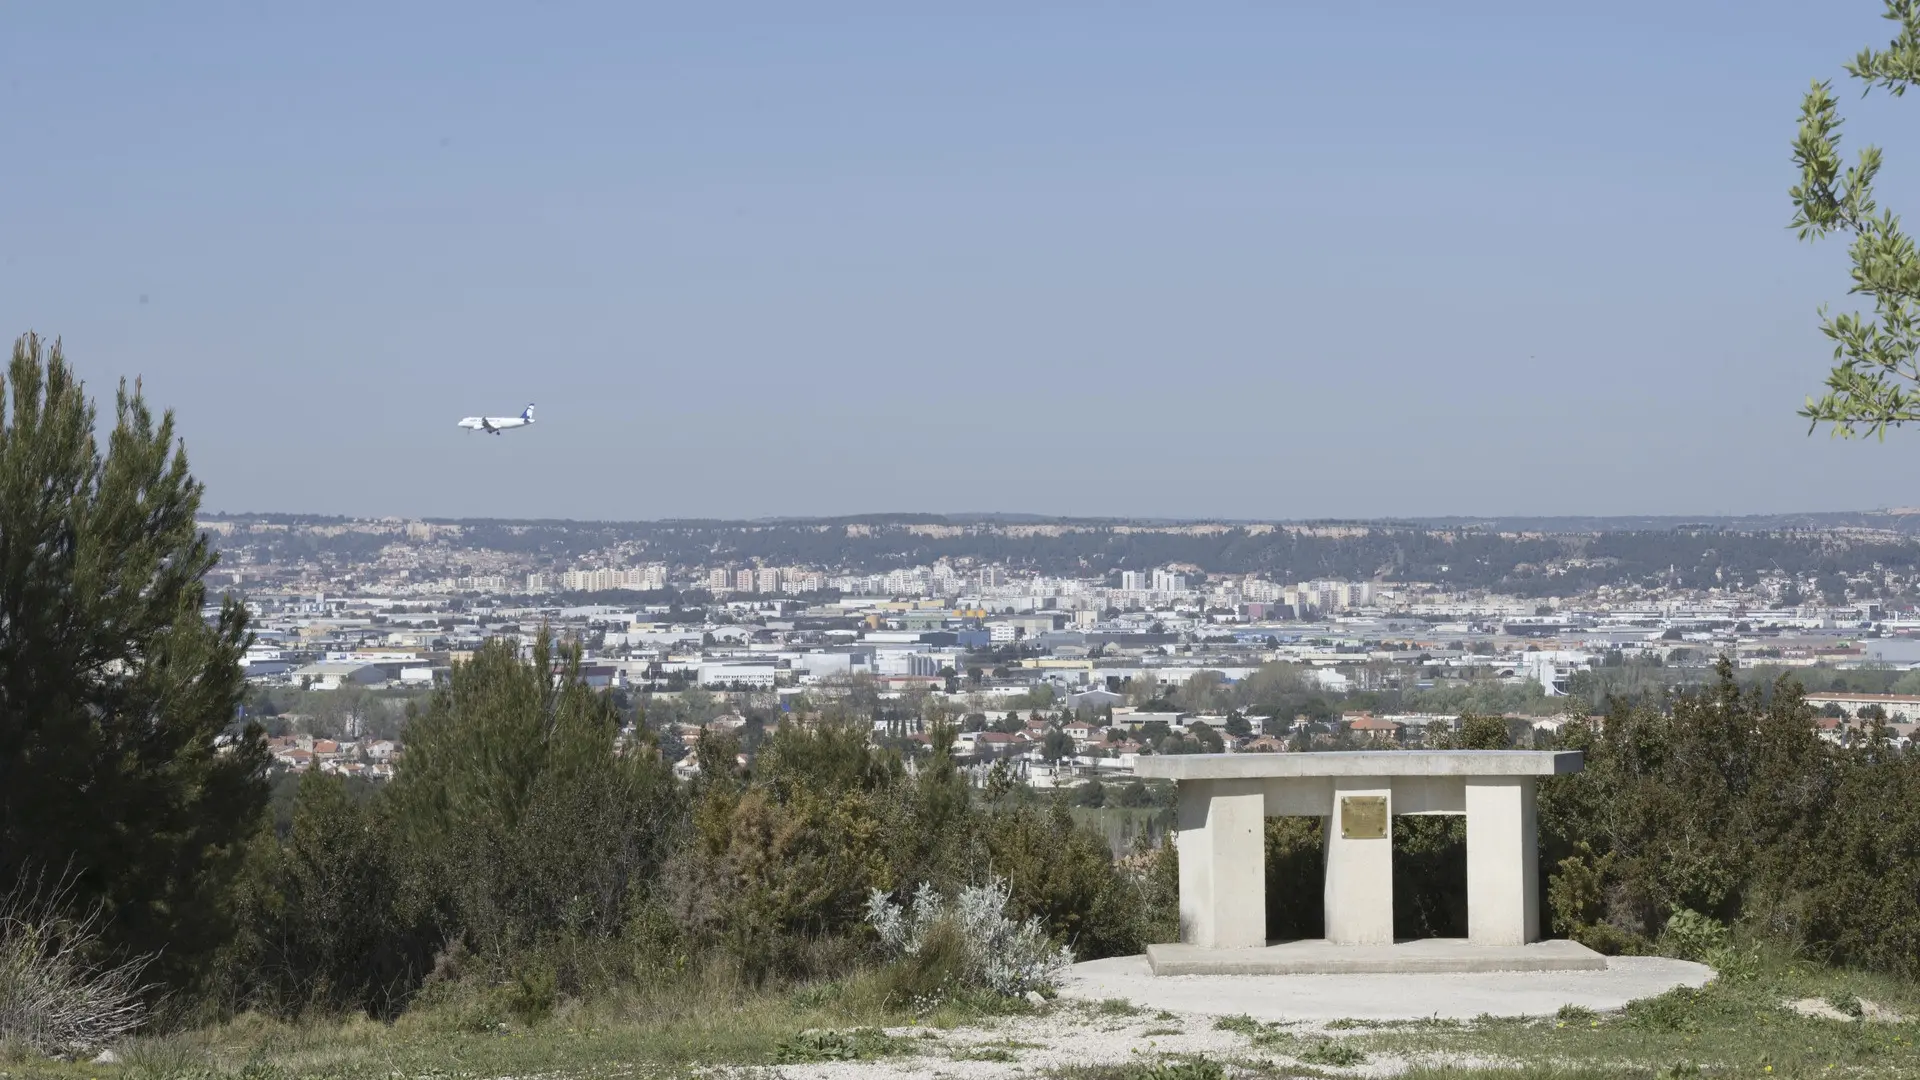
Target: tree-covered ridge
point(1525, 563)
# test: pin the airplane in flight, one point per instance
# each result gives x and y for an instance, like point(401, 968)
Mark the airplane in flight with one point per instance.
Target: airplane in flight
point(494, 425)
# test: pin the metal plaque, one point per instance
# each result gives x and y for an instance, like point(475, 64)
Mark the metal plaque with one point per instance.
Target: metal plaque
point(1363, 817)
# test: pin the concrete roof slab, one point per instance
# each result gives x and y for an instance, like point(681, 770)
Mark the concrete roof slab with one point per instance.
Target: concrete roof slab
point(1361, 763)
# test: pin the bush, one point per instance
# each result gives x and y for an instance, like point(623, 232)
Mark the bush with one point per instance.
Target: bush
point(522, 857)
point(1690, 935)
point(1729, 807)
point(1153, 871)
point(337, 919)
point(794, 873)
point(54, 996)
point(1577, 898)
point(971, 944)
point(1064, 874)
point(523, 813)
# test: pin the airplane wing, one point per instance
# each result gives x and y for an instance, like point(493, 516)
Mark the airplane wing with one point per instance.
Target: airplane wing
point(485, 424)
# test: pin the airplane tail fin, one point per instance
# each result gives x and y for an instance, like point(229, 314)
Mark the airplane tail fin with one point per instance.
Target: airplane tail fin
point(527, 415)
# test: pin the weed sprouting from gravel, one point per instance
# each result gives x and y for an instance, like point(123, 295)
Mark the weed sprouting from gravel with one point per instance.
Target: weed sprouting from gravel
point(1332, 1052)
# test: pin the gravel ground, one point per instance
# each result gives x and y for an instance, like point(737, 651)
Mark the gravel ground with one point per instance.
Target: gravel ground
point(1176, 1017)
point(1074, 1034)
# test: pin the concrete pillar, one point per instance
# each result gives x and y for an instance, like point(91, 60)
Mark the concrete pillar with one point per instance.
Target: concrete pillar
point(1223, 864)
point(1503, 879)
point(1359, 896)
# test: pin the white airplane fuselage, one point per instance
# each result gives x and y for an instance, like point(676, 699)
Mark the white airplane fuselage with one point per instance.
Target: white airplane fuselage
point(494, 425)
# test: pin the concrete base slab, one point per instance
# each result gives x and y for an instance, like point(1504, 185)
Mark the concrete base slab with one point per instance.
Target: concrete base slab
point(1431, 956)
point(1382, 997)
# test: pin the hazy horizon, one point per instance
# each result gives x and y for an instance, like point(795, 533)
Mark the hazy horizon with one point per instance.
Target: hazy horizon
point(1016, 517)
point(1375, 262)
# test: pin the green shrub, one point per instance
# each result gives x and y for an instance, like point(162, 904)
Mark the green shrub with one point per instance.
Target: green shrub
point(1064, 874)
point(935, 972)
point(336, 916)
point(1152, 872)
point(794, 872)
point(1576, 895)
point(533, 992)
point(969, 944)
point(1690, 935)
point(527, 822)
point(1728, 805)
point(470, 1007)
point(1847, 1005)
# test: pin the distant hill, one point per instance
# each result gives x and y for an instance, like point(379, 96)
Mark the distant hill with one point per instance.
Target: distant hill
point(1876, 553)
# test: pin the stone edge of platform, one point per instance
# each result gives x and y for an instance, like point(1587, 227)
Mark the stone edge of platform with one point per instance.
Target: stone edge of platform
point(1183, 961)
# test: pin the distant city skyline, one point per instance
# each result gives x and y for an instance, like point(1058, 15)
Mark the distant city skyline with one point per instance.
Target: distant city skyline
point(1266, 264)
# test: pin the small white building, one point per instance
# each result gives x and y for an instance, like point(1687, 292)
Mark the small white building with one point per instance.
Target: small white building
point(756, 676)
point(333, 674)
point(1554, 670)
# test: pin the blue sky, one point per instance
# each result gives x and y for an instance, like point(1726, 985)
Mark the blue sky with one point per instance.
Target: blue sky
point(1246, 260)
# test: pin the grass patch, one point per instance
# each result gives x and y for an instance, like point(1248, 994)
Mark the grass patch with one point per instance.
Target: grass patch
point(1331, 1052)
point(1737, 1025)
point(1117, 1007)
point(1575, 1014)
point(817, 1044)
point(1199, 1068)
point(1264, 1036)
point(1003, 1050)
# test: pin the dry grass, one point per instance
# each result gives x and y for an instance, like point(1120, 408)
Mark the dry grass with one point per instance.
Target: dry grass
point(55, 996)
point(668, 1029)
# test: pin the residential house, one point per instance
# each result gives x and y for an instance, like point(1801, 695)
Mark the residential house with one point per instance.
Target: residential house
point(1372, 728)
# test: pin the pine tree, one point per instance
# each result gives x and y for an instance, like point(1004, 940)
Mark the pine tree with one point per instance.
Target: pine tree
point(114, 690)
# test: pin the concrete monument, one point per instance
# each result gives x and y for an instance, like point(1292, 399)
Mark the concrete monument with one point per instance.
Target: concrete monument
point(1225, 799)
